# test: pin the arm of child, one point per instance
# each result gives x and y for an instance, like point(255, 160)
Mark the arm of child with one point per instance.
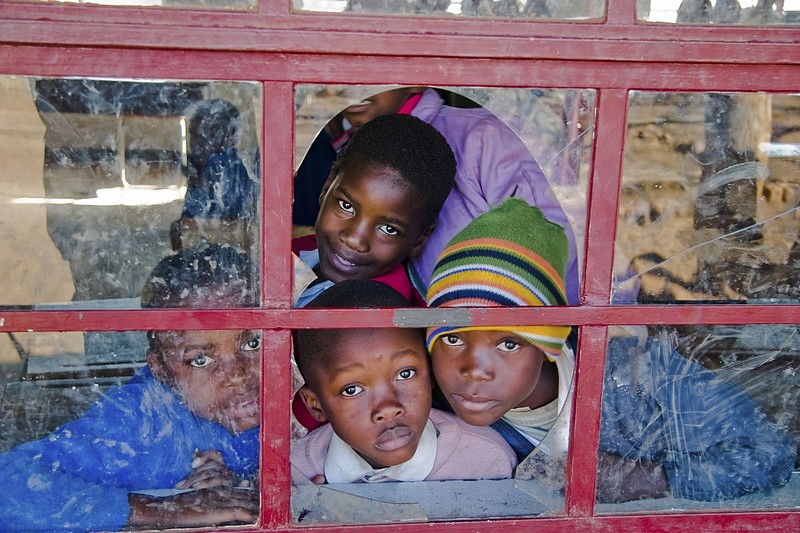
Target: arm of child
point(204, 507)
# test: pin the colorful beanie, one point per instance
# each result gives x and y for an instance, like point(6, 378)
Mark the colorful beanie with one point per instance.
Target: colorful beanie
point(509, 256)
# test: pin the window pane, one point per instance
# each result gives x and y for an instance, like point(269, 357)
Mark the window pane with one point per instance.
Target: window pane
point(131, 425)
point(335, 478)
point(546, 134)
point(188, 4)
point(709, 199)
point(102, 178)
point(745, 12)
point(700, 417)
point(573, 10)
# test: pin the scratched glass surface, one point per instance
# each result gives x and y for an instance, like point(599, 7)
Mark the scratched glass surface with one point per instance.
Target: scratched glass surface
point(700, 417)
point(555, 125)
point(710, 197)
point(572, 10)
point(144, 428)
point(742, 12)
point(185, 4)
point(94, 177)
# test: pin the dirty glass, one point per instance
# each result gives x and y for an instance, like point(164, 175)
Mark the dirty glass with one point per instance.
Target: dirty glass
point(542, 128)
point(743, 12)
point(186, 4)
point(100, 179)
point(157, 429)
point(710, 196)
point(572, 10)
point(700, 417)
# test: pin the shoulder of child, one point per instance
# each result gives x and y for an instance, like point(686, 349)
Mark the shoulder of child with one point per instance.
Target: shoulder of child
point(465, 451)
point(309, 452)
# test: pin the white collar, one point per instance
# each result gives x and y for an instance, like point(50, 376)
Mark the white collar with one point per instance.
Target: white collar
point(344, 465)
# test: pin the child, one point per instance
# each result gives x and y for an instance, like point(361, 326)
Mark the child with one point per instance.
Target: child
point(678, 425)
point(221, 197)
point(374, 387)
point(188, 420)
point(493, 164)
point(379, 205)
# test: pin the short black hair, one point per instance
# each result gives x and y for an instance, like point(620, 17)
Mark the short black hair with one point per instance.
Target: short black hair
point(313, 344)
point(411, 147)
point(196, 274)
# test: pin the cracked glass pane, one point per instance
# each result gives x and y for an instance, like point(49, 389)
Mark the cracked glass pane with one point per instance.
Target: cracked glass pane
point(743, 12)
point(102, 178)
point(710, 196)
point(700, 417)
point(572, 10)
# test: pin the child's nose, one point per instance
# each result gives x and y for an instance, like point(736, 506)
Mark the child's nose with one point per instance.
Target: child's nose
point(387, 410)
point(477, 366)
point(355, 236)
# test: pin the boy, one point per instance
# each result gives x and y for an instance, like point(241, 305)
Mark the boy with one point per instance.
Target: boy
point(492, 164)
point(669, 426)
point(221, 197)
point(187, 420)
point(379, 205)
point(374, 387)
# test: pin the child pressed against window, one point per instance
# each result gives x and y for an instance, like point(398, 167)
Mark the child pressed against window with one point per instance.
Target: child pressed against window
point(668, 427)
point(188, 420)
point(379, 205)
point(374, 387)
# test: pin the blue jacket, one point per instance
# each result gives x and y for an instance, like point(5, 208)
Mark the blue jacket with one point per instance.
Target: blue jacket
point(712, 440)
point(224, 189)
point(137, 437)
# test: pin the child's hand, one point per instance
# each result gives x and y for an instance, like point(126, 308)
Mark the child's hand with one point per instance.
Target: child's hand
point(209, 471)
point(205, 507)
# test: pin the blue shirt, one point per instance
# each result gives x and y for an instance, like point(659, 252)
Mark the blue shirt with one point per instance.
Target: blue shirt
point(137, 437)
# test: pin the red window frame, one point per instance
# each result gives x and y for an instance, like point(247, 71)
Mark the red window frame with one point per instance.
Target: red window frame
point(278, 48)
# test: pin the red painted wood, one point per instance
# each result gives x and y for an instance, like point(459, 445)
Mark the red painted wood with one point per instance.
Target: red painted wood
point(603, 195)
point(272, 45)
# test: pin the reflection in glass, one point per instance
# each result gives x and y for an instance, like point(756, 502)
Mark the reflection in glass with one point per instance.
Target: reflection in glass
point(553, 126)
point(699, 417)
point(709, 199)
point(134, 437)
point(744, 12)
point(188, 4)
point(573, 10)
point(94, 174)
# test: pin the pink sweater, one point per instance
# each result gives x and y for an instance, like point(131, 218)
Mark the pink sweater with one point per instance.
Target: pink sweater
point(462, 451)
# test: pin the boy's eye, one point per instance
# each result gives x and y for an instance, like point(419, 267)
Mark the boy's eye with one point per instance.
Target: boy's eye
point(508, 345)
point(252, 344)
point(452, 340)
point(388, 230)
point(406, 374)
point(201, 361)
point(351, 390)
point(344, 205)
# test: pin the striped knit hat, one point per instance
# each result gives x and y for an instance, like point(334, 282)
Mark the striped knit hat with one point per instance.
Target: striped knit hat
point(509, 256)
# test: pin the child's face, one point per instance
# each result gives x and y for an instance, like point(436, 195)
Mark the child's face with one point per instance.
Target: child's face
point(215, 372)
point(483, 374)
point(375, 389)
point(369, 222)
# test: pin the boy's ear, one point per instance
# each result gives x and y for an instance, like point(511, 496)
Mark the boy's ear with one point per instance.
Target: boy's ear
point(312, 403)
point(423, 238)
point(158, 367)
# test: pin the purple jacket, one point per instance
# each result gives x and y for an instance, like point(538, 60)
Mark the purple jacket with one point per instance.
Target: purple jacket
point(493, 164)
